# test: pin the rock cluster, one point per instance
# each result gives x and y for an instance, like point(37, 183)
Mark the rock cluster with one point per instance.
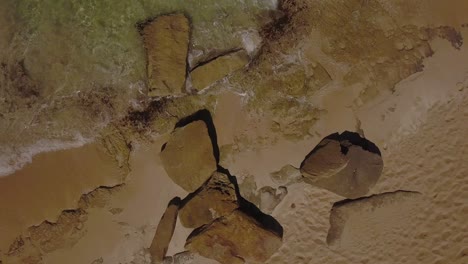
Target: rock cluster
point(345, 164)
point(166, 39)
point(227, 228)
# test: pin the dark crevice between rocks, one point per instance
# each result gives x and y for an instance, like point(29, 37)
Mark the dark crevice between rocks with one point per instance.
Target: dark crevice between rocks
point(216, 56)
point(142, 119)
point(267, 221)
point(205, 116)
point(245, 206)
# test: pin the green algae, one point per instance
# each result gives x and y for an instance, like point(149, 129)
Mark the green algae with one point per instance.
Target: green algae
point(99, 40)
point(86, 59)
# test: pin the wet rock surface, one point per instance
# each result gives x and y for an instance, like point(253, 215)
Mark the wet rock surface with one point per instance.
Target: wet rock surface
point(236, 238)
point(164, 231)
point(265, 198)
point(188, 156)
point(286, 175)
point(62, 234)
point(166, 40)
point(345, 164)
point(217, 68)
point(214, 199)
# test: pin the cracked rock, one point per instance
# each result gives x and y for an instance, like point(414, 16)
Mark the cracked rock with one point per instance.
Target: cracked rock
point(188, 156)
point(345, 164)
point(164, 232)
point(215, 199)
point(166, 40)
point(236, 238)
point(215, 69)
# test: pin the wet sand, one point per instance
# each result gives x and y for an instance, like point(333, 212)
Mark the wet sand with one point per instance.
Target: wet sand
point(53, 182)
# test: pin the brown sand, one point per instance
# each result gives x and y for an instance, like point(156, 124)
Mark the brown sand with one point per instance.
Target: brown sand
point(53, 182)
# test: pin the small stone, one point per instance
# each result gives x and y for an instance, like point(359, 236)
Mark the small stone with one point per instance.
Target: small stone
point(208, 73)
point(400, 46)
point(271, 197)
point(168, 260)
point(166, 40)
point(183, 257)
point(236, 238)
point(345, 164)
point(215, 199)
point(164, 231)
point(188, 156)
point(286, 175)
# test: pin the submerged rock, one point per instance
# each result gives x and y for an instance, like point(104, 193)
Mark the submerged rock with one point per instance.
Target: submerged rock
point(266, 198)
point(345, 164)
point(271, 197)
point(286, 175)
point(166, 40)
point(164, 232)
point(215, 199)
point(188, 156)
point(211, 71)
point(235, 238)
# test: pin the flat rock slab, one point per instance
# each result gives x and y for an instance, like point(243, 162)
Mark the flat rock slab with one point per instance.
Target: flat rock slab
point(166, 40)
point(164, 231)
point(209, 72)
point(188, 156)
point(345, 164)
point(357, 225)
point(236, 238)
point(215, 199)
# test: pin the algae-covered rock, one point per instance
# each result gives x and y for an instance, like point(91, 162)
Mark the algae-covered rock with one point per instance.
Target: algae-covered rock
point(345, 164)
point(216, 198)
point(188, 156)
point(208, 73)
point(235, 238)
point(166, 40)
point(164, 231)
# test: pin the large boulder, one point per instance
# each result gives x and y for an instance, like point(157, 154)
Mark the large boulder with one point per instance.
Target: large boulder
point(166, 40)
point(209, 72)
point(164, 232)
point(215, 199)
point(235, 238)
point(345, 164)
point(188, 156)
